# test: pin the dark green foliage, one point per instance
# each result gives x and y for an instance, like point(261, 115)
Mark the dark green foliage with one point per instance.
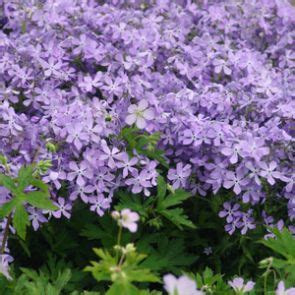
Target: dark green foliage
point(174, 229)
point(39, 197)
point(155, 209)
point(143, 143)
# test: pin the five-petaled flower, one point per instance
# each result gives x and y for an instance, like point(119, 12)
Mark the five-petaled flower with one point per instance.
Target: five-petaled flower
point(239, 285)
point(127, 219)
point(139, 114)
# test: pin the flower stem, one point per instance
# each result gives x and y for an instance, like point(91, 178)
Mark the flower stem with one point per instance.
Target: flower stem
point(8, 221)
point(119, 241)
point(265, 278)
point(5, 235)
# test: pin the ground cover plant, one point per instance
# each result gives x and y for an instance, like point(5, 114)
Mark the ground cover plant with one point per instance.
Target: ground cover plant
point(147, 147)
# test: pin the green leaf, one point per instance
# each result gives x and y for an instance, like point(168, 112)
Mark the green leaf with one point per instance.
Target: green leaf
point(103, 231)
point(162, 188)
point(122, 289)
point(283, 243)
point(20, 220)
point(175, 215)
point(175, 199)
point(165, 255)
point(7, 182)
point(178, 217)
point(7, 208)
point(144, 143)
point(40, 200)
point(142, 275)
point(3, 160)
point(40, 184)
point(134, 203)
point(25, 175)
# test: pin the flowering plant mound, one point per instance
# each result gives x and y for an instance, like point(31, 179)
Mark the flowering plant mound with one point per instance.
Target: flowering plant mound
point(105, 97)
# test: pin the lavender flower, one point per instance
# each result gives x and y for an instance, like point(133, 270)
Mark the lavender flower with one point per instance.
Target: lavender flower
point(225, 111)
point(5, 259)
point(63, 208)
point(36, 217)
point(235, 180)
point(281, 289)
point(127, 219)
point(138, 114)
point(208, 251)
point(179, 175)
point(180, 286)
point(230, 212)
point(127, 164)
point(79, 172)
point(239, 286)
point(99, 204)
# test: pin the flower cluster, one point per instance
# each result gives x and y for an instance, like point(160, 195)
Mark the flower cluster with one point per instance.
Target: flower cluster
point(215, 78)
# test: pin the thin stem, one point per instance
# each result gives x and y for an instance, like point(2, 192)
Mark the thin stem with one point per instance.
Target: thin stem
point(119, 236)
point(8, 221)
point(36, 155)
point(119, 241)
point(121, 260)
point(6, 231)
point(265, 278)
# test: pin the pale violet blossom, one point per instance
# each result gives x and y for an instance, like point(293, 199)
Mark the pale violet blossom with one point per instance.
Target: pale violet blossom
point(281, 290)
point(127, 219)
point(4, 265)
point(139, 114)
point(240, 286)
point(180, 286)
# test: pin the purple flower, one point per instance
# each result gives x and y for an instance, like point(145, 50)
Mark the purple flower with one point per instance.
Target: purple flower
point(208, 251)
point(192, 136)
point(247, 222)
point(113, 87)
point(138, 114)
point(109, 155)
point(254, 172)
point(63, 208)
point(52, 67)
point(127, 219)
point(268, 171)
point(36, 217)
point(231, 227)
point(127, 164)
point(103, 179)
point(232, 152)
point(182, 285)
point(230, 212)
point(99, 204)
point(79, 172)
point(222, 98)
point(54, 177)
point(139, 182)
point(281, 289)
point(254, 147)
point(76, 135)
point(239, 285)
point(220, 65)
point(88, 83)
point(5, 259)
point(235, 180)
point(290, 182)
point(179, 175)
point(83, 192)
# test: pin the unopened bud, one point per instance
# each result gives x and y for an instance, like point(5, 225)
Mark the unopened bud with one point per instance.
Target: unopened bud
point(116, 215)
